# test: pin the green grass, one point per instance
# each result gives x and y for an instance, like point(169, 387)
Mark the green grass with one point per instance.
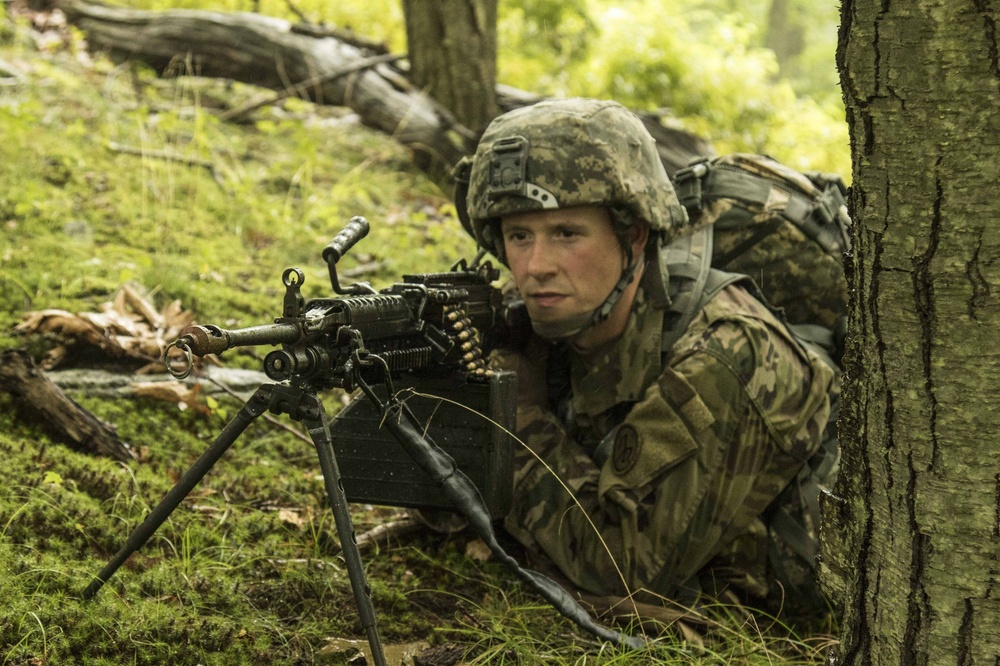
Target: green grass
point(246, 571)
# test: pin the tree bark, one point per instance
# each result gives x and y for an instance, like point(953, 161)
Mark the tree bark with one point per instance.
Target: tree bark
point(920, 483)
point(277, 54)
point(44, 404)
point(453, 51)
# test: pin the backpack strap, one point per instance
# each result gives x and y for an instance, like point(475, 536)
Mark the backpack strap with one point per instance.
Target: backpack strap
point(693, 283)
point(817, 217)
point(689, 262)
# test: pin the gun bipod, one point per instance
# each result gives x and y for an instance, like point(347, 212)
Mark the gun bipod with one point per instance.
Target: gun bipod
point(300, 405)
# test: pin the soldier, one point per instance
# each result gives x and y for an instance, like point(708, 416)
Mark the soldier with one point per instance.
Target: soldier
point(653, 461)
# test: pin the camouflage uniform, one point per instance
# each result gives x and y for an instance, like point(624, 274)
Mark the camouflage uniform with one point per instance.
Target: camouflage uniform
point(673, 464)
point(677, 459)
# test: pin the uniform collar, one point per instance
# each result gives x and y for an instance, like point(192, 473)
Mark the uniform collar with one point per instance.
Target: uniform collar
point(622, 370)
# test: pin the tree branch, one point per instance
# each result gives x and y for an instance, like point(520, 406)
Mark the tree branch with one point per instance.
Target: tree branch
point(42, 403)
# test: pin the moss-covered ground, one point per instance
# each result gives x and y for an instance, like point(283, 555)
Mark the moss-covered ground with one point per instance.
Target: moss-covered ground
point(246, 570)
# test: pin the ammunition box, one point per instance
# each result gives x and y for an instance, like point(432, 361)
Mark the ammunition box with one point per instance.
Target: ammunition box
point(470, 420)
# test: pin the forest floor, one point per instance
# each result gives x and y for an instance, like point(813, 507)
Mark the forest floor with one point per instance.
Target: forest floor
point(113, 177)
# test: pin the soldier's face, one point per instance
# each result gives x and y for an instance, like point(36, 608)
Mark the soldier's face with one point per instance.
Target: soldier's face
point(564, 262)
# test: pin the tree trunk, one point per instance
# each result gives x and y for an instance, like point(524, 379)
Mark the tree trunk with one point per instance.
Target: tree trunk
point(453, 50)
point(277, 54)
point(785, 33)
point(920, 483)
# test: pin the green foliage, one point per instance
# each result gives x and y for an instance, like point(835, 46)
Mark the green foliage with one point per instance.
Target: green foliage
point(700, 63)
point(153, 216)
point(378, 20)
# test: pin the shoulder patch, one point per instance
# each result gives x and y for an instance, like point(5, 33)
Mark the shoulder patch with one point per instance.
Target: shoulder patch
point(628, 443)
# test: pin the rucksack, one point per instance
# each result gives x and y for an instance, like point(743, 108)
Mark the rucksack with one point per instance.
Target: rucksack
point(787, 231)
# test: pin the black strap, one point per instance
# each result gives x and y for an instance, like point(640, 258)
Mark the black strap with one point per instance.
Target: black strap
point(758, 233)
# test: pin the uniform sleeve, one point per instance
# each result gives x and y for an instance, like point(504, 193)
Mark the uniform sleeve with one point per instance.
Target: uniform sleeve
point(695, 462)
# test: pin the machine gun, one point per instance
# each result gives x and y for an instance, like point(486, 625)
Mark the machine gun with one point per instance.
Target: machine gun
point(427, 335)
point(431, 331)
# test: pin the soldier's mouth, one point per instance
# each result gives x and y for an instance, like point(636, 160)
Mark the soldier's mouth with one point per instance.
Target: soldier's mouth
point(547, 299)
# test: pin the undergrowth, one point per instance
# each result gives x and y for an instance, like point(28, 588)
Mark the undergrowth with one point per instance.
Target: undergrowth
point(116, 176)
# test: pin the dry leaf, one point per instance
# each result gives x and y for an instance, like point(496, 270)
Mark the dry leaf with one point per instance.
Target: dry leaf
point(293, 517)
point(478, 550)
point(127, 327)
point(169, 391)
point(172, 392)
point(142, 306)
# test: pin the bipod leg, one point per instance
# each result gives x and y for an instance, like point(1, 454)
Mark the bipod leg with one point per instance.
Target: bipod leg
point(307, 408)
point(257, 405)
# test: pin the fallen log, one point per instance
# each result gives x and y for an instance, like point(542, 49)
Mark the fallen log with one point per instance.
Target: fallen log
point(44, 404)
point(271, 53)
point(277, 54)
point(109, 384)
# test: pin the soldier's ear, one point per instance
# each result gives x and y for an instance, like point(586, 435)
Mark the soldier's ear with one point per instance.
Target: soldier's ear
point(638, 235)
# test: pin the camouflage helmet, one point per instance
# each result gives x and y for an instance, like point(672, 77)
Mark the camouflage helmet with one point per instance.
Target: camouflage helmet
point(564, 153)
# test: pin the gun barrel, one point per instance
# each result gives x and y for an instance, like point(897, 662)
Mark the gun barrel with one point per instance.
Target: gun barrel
point(203, 340)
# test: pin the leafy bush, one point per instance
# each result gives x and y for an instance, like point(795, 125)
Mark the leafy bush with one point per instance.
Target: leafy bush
point(699, 63)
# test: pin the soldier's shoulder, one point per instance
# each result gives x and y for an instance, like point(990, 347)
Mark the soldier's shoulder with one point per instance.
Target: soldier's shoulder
point(737, 330)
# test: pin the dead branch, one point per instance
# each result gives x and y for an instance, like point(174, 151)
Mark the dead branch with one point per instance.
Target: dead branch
point(301, 89)
point(346, 36)
point(167, 156)
point(43, 404)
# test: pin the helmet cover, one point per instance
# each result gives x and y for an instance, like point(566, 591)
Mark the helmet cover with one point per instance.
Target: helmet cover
point(565, 153)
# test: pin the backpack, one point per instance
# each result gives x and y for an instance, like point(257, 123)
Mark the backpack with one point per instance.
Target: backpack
point(752, 217)
point(787, 231)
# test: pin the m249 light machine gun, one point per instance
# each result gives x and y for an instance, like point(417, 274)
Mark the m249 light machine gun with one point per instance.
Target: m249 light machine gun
point(430, 333)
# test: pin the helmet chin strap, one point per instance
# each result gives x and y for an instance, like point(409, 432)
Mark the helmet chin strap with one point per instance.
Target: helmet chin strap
point(569, 328)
